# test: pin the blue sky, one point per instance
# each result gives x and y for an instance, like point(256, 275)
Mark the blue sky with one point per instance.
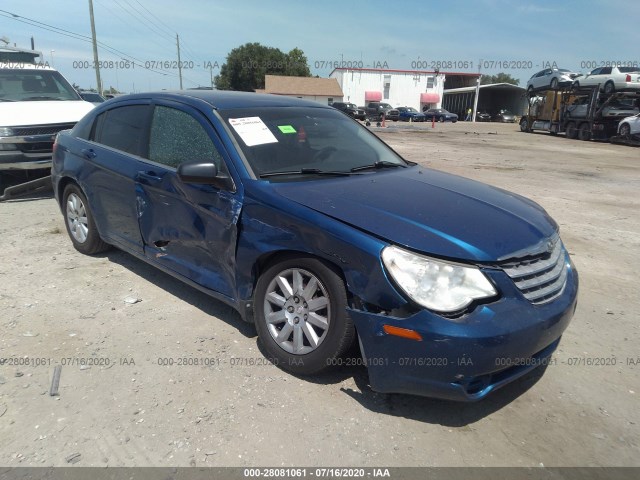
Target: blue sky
point(518, 37)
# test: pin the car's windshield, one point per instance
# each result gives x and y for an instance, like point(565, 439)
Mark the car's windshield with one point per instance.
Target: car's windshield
point(288, 139)
point(410, 109)
point(32, 85)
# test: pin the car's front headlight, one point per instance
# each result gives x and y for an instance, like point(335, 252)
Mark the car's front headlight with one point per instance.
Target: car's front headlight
point(6, 132)
point(435, 284)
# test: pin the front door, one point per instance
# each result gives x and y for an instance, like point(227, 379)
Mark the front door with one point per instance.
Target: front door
point(190, 229)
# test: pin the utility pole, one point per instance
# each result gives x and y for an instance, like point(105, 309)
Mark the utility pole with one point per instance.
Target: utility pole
point(95, 48)
point(179, 64)
point(211, 74)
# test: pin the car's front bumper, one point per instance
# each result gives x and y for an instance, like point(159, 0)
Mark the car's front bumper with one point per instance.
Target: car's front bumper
point(465, 359)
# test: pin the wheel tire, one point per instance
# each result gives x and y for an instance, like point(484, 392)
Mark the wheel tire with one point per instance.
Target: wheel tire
point(554, 84)
point(524, 125)
point(609, 87)
point(584, 133)
point(530, 90)
point(79, 222)
point(625, 130)
point(575, 86)
point(571, 130)
point(285, 292)
point(441, 120)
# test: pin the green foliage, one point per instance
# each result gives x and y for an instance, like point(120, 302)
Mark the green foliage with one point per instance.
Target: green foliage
point(499, 78)
point(247, 65)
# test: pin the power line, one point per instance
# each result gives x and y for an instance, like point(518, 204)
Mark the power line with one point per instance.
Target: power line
point(84, 38)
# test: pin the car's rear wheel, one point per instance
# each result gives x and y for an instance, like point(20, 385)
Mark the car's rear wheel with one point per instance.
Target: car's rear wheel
point(554, 84)
point(585, 132)
point(571, 130)
point(625, 130)
point(301, 315)
point(79, 222)
point(609, 87)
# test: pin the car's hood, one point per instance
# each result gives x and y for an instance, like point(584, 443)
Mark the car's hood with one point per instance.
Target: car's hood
point(430, 211)
point(42, 112)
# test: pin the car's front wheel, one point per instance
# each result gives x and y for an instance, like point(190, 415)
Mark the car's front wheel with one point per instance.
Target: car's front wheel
point(79, 222)
point(625, 130)
point(301, 315)
point(554, 84)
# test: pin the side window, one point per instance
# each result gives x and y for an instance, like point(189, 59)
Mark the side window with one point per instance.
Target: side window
point(177, 137)
point(122, 128)
point(595, 71)
point(605, 71)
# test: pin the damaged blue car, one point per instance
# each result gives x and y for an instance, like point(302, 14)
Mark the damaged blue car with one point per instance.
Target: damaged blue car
point(320, 234)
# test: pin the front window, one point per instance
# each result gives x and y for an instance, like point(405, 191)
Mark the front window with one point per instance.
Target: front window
point(17, 85)
point(291, 139)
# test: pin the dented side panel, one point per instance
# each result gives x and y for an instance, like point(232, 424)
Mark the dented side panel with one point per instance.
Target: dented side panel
point(191, 229)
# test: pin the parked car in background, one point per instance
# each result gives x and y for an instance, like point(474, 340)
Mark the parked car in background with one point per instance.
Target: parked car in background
point(552, 78)
point(504, 116)
point(614, 108)
point(92, 97)
point(440, 114)
point(629, 126)
point(350, 109)
point(407, 114)
point(483, 116)
point(290, 212)
point(611, 79)
point(376, 110)
point(36, 102)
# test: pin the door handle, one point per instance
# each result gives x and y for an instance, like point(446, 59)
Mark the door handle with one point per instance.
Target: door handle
point(89, 153)
point(148, 178)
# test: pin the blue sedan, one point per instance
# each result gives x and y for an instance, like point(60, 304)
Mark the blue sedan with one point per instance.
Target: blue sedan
point(410, 114)
point(321, 235)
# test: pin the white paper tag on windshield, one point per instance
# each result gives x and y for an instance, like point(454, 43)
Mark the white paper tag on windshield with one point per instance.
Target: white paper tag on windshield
point(253, 131)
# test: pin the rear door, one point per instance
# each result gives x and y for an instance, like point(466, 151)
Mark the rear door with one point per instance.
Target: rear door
point(112, 155)
point(190, 229)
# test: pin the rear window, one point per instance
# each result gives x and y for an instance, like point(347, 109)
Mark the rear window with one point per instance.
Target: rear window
point(628, 69)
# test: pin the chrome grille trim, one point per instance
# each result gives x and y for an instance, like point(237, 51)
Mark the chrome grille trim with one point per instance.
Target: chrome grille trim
point(543, 278)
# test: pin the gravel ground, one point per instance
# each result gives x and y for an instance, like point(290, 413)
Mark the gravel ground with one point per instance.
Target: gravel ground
point(125, 409)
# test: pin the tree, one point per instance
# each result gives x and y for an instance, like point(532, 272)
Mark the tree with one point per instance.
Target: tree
point(247, 65)
point(499, 78)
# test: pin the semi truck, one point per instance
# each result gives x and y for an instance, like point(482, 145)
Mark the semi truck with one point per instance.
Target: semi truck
point(582, 113)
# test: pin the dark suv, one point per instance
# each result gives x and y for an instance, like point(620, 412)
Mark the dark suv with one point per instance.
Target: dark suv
point(350, 109)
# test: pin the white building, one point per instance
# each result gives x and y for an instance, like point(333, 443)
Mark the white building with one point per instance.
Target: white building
point(399, 88)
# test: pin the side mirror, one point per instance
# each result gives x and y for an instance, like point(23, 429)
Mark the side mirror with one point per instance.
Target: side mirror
point(203, 173)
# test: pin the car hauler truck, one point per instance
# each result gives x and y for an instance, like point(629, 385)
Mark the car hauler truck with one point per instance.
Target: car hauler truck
point(584, 113)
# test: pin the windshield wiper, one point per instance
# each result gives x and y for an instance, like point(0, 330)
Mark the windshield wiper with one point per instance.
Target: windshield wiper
point(378, 165)
point(42, 97)
point(306, 171)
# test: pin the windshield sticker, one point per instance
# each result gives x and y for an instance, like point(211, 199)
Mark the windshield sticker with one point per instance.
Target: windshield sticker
point(253, 131)
point(286, 129)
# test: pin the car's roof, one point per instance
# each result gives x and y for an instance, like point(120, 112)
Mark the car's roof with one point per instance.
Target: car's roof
point(227, 100)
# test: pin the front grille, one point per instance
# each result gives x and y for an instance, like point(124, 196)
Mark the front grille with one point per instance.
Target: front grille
point(41, 129)
point(541, 278)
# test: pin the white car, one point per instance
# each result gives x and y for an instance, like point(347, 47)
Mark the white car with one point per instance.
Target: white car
point(551, 78)
point(611, 79)
point(629, 126)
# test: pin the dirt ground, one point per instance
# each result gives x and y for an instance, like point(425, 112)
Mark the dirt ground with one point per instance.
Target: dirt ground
point(122, 407)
